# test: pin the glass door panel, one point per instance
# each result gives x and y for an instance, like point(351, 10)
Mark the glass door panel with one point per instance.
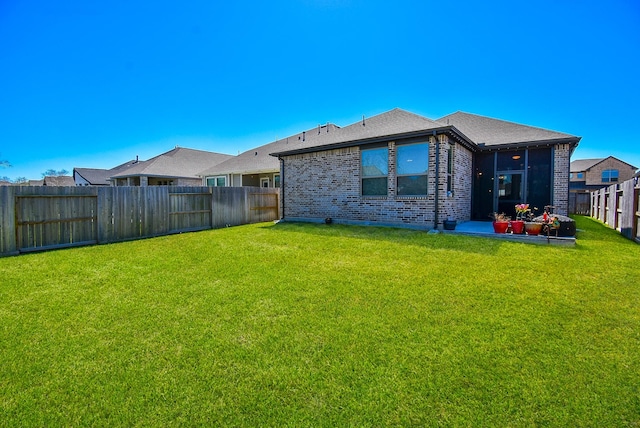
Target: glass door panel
point(509, 192)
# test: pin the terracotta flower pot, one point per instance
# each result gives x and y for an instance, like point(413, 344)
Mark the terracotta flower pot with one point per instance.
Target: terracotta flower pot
point(533, 228)
point(500, 226)
point(517, 226)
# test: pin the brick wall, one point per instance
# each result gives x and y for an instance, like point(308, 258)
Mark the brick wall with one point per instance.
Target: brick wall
point(457, 205)
point(594, 175)
point(327, 184)
point(561, 154)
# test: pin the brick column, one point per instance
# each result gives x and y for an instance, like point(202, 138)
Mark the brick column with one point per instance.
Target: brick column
point(561, 154)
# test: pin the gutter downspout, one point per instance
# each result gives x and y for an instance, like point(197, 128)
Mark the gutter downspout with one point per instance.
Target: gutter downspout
point(435, 222)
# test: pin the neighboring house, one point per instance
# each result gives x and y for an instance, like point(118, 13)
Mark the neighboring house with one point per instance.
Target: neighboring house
point(177, 167)
point(60, 180)
point(587, 175)
point(256, 167)
point(5, 183)
point(36, 183)
point(96, 176)
point(399, 168)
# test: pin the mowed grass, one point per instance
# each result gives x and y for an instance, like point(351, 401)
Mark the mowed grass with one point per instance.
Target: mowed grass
point(315, 325)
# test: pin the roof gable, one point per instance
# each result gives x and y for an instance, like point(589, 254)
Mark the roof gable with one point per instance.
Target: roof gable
point(579, 165)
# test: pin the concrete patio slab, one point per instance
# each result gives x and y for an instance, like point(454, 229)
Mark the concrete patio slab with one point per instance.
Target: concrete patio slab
point(484, 229)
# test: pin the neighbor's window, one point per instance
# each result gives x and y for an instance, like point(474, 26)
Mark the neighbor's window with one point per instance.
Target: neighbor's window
point(412, 164)
point(609, 175)
point(276, 180)
point(374, 170)
point(219, 181)
point(580, 175)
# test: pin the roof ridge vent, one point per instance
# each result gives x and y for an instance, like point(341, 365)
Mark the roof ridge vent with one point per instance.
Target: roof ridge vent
point(363, 123)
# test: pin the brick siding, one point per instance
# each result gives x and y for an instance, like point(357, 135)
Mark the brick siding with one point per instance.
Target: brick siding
point(327, 184)
point(561, 154)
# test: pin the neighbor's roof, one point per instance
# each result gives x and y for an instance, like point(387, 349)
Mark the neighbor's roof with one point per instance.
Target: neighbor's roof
point(179, 162)
point(61, 180)
point(486, 131)
point(100, 177)
point(257, 160)
point(579, 165)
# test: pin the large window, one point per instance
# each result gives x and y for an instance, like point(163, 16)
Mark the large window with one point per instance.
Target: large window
point(412, 164)
point(219, 181)
point(375, 171)
point(609, 175)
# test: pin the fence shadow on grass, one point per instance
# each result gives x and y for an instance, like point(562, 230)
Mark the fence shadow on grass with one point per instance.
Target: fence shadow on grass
point(397, 235)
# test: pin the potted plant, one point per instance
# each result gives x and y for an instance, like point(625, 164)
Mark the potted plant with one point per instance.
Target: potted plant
point(517, 225)
point(531, 226)
point(500, 222)
point(449, 224)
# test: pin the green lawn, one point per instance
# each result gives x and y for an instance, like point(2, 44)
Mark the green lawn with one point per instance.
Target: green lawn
point(316, 325)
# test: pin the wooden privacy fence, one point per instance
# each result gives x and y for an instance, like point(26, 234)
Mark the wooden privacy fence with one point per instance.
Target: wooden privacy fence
point(618, 206)
point(42, 218)
point(579, 203)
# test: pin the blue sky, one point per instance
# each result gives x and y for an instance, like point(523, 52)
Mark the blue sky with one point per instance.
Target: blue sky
point(93, 84)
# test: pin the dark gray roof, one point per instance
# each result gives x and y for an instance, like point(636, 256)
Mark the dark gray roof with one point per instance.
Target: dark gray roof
point(179, 162)
point(393, 122)
point(100, 177)
point(475, 131)
point(396, 122)
point(257, 160)
point(494, 132)
point(580, 165)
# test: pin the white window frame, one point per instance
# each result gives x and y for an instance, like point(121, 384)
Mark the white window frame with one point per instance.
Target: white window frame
point(264, 180)
point(215, 181)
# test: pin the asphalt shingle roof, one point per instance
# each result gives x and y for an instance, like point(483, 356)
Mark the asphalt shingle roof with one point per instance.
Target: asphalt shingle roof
point(488, 131)
point(179, 162)
point(396, 121)
point(61, 180)
point(580, 165)
point(100, 177)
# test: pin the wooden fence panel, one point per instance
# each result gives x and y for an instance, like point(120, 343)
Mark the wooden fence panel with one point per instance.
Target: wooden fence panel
point(234, 206)
point(618, 206)
point(7, 221)
point(263, 206)
point(627, 209)
point(229, 206)
point(190, 208)
point(40, 218)
point(579, 203)
point(54, 217)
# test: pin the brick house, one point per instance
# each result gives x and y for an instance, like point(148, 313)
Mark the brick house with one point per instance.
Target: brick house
point(399, 168)
point(587, 175)
point(592, 174)
point(177, 167)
